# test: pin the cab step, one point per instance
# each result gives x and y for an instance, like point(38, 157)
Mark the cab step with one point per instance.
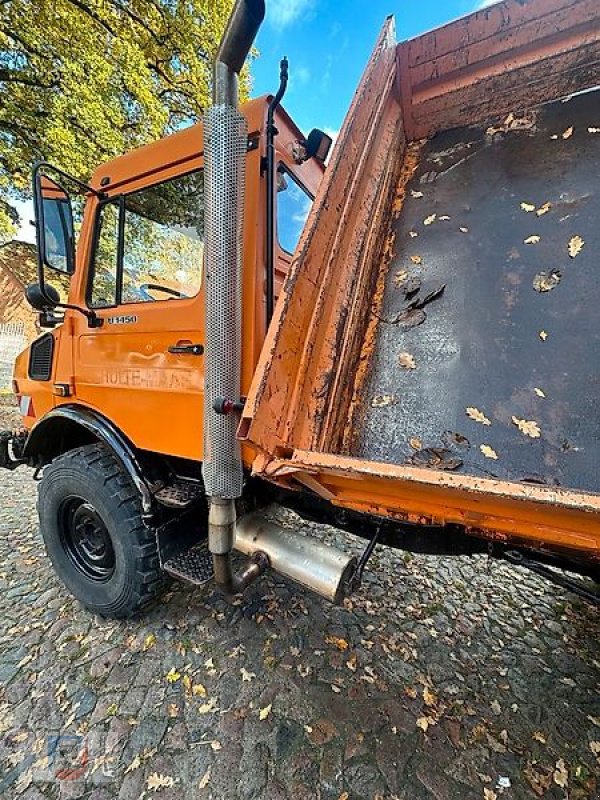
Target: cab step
point(179, 494)
point(194, 565)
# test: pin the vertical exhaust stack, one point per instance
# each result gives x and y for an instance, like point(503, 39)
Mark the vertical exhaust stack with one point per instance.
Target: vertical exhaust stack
point(225, 138)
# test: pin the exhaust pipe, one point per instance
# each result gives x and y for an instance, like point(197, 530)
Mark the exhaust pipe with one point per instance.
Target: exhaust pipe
point(316, 566)
point(225, 142)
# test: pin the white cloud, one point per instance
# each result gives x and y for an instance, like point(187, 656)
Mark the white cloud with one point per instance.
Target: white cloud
point(282, 13)
point(487, 3)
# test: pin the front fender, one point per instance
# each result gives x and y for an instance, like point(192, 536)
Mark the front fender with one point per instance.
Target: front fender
point(70, 426)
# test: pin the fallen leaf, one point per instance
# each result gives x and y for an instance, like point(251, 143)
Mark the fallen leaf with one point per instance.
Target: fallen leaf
point(204, 780)
point(341, 644)
point(157, 781)
point(425, 723)
point(407, 361)
point(568, 133)
point(322, 732)
point(576, 244)
point(477, 416)
point(532, 240)
point(444, 218)
point(429, 697)
point(543, 209)
point(543, 336)
point(593, 130)
point(352, 662)
point(430, 219)
point(595, 748)
point(173, 710)
point(264, 712)
point(335, 688)
point(546, 281)
point(344, 796)
point(216, 746)
point(539, 736)
point(528, 207)
point(560, 775)
point(209, 707)
point(247, 676)
point(416, 195)
point(172, 675)
point(489, 452)
point(415, 443)
point(383, 400)
point(198, 690)
point(416, 259)
point(401, 276)
point(463, 230)
point(539, 392)
point(435, 458)
point(149, 641)
point(528, 427)
point(135, 764)
point(413, 234)
point(488, 794)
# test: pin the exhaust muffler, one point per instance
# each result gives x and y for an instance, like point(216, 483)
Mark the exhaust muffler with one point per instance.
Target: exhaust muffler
point(314, 565)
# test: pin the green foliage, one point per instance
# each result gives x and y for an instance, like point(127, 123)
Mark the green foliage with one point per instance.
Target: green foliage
point(84, 80)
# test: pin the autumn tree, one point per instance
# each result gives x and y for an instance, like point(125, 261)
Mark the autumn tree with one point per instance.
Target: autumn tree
point(84, 80)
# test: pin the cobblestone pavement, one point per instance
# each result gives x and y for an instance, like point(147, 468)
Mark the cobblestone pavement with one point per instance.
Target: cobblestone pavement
point(442, 678)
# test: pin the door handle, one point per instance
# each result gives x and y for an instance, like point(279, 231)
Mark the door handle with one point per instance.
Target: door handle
point(187, 349)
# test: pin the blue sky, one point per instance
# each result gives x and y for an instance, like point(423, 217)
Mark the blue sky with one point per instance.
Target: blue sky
point(328, 43)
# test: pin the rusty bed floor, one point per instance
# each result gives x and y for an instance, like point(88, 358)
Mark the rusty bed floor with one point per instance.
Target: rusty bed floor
point(525, 362)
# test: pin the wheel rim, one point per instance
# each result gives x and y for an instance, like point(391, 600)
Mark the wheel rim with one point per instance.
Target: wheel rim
point(86, 540)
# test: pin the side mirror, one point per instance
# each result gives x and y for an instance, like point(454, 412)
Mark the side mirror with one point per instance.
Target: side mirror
point(38, 299)
point(318, 145)
point(54, 222)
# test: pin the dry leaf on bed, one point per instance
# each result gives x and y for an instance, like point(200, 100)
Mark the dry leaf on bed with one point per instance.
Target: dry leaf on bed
point(430, 219)
point(576, 244)
point(527, 207)
point(407, 361)
point(477, 416)
point(463, 229)
point(383, 400)
point(416, 259)
point(543, 335)
point(416, 194)
point(543, 209)
point(532, 240)
point(539, 392)
point(568, 133)
point(415, 443)
point(593, 130)
point(528, 427)
point(546, 281)
point(413, 234)
point(489, 452)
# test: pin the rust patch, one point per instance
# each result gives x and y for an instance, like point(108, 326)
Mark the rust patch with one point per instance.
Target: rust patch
point(411, 161)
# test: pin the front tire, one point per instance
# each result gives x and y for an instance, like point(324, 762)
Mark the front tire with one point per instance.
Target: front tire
point(91, 523)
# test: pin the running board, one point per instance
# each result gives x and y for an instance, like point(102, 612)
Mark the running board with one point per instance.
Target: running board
point(194, 565)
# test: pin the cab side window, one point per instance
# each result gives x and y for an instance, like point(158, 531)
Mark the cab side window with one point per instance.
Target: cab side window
point(150, 245)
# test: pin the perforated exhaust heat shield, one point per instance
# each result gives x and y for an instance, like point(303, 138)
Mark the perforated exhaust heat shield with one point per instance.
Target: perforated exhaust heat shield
point(225, 137)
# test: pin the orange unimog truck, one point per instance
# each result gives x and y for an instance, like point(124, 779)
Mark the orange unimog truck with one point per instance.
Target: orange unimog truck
point(429, 377)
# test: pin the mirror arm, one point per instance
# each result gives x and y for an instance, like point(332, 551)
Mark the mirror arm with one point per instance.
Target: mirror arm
point(83, 186)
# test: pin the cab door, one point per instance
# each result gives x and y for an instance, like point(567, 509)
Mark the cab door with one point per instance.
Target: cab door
point(144, 367)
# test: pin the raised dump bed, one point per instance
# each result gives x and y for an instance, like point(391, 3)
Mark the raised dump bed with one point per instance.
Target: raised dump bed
point(485, 360)
point(434, 355)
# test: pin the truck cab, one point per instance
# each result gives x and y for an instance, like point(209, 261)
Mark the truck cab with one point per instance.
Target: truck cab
point(138, 269)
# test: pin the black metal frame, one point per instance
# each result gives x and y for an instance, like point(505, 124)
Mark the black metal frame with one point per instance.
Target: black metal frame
point(271, 189)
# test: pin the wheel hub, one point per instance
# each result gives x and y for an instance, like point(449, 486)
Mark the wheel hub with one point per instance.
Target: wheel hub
point(86, 539)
